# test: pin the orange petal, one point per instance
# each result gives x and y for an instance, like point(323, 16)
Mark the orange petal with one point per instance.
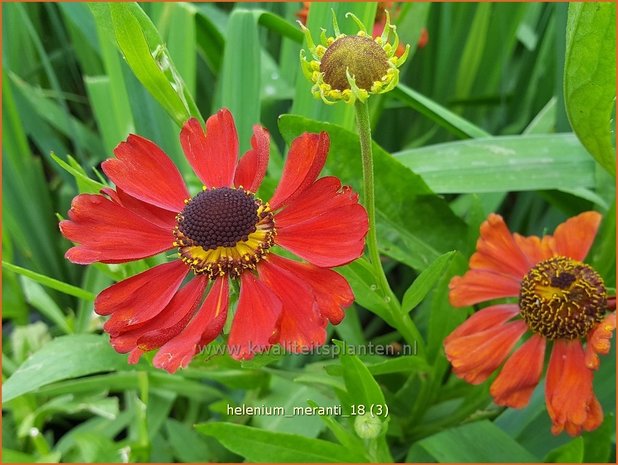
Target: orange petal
point(574, 237)
point(475, 357)
point(484, 319)
point(598, 340)
point(520, 374)
point(534, 248)
point(571, 403)
point(497, 251)
point(480, 286)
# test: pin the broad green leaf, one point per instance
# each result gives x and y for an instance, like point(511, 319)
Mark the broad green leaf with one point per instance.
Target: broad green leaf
point(473, 442)
point(590, 77)
point(63, 358)
point(401, 364)
point(437, 113)
point(505, 163)
point(257, 445)
point(49, 282)
point(425, 281)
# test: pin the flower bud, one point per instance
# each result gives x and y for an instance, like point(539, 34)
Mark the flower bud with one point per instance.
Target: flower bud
point(351, 67)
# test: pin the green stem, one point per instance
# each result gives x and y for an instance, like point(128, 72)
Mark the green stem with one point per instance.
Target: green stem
point(400, 320)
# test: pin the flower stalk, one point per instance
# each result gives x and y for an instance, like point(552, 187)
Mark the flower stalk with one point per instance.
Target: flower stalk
point(399, 319)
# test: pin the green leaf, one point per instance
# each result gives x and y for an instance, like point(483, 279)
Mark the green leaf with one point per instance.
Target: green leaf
point(590, 77)
point(50, 282)
point(145, 53)
point(240, 77)
point(63, 358)
point(571, 452)
point(473, 442)
point(598, 444)
point(361, 386)
point(505, 163)
point(37, 297)
point(425, 281)
point(257, 445)
point(437, 113)
point(84, 183)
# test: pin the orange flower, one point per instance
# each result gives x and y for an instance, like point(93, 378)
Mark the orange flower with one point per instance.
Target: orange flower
point(561, 300)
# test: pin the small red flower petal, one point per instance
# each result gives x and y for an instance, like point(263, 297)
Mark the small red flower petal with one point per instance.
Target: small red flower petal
point(479, 286)
point(575, 236)
point(212, 155)
point(599, 340)
point(255, 320)
point(140, 297)
point(301, 325)
point(475, 357)
point(155, 332)
point(571, 403)
point(306, 159)
point(109, 233)
point(252, 166)
point(324, 225)
point(205, 326)
point(143, 171)
point(331, 290)
point(165, 219)
point(520, 375)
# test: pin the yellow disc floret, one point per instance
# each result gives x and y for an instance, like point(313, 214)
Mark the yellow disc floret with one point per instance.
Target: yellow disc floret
point(561, 298)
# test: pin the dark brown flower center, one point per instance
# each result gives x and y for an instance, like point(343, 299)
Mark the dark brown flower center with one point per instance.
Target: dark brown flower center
point(366, 61)
point(561, 298)
point(219, 217)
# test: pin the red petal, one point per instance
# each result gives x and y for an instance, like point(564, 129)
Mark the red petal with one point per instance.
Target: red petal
point(165, 219)
point(140, 297)
point(214, 154)
point(497, 250)
point(252, 166)
point(306, 159)
point(520, 375)
point(301, 325)
point(331, 290)
point(324, 225)
point(574, 237)
point(107, 232)
point(255, 320)
point(201, 330)
point(571, 403)
point(486, 318)
point(142, 170)
point(599, 340)
point(479, 286)
point(155, 332)
point(478, 355)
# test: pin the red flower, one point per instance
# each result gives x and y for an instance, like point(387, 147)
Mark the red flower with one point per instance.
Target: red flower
point(224, 232)
point(561, 300)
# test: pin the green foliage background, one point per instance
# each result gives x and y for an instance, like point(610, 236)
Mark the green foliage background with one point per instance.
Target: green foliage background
point(500, 112)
